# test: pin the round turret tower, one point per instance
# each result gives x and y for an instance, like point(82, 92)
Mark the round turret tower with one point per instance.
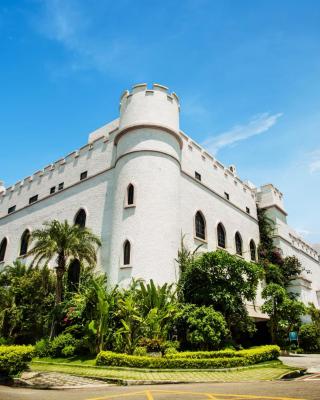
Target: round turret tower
point(146, 193)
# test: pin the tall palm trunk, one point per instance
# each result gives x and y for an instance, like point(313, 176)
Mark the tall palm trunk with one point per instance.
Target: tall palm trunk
point(60, 270)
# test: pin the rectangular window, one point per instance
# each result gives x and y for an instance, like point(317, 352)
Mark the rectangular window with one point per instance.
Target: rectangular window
point(197, 176)
point(52, 190)
point(226, 195)
point(33, 199)
point(248, 210)
point(11, 209)
point(61, 185)
point(83, 175)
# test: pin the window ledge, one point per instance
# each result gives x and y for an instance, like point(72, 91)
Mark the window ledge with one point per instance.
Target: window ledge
point(129, 206)
point(200, 240)
point(221, 248)
point(239, 255)
point(125, 266)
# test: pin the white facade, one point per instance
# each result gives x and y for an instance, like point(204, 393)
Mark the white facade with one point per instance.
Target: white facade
point(173, 178)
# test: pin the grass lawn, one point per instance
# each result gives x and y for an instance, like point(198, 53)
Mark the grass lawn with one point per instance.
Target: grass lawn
point(85, 367)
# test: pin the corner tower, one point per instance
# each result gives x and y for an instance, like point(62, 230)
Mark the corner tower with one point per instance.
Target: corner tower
point(148, 153)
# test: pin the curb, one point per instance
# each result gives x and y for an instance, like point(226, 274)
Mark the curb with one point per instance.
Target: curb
point(293, 374)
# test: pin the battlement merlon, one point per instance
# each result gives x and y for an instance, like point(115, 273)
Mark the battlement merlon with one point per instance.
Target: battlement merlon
point(269, 196)
point(143, 106)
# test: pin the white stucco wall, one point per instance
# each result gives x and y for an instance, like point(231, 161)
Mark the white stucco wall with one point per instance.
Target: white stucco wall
point(160, 161)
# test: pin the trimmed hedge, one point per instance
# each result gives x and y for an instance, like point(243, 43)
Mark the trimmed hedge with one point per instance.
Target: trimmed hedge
point(242, 358)
point(258, 354)
point(14, 359)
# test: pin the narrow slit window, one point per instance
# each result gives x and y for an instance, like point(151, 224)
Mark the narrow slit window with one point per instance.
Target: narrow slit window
point(200, 225)
point(221, 236)
point(238, 241)
point(126, 253)
point(25, 238)
point(83, 175)
point(33, 199)
point(253, 251)
point(3, 248)
point(197, 176)
point(130, 195)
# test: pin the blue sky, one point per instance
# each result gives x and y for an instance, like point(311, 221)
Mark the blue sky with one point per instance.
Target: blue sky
point(247, 73)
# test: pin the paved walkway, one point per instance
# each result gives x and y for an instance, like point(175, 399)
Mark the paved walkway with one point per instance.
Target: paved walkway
point(309, 361)
point(55, 380)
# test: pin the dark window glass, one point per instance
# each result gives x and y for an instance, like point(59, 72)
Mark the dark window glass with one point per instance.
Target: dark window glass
point(197, 176)
point(24, 242)
point(83, 175)
point(238, 241)
point(130, 194)
point(252, 250)
point(126, 253)
point(226, 195)
point(221, 236)
point(3, 248)
point(80, 218)
point(11, 209)
point(200, 226)
point(248, 210)
point(33, 199)
point(60, 187)
point(74, 275)
point(52, 190)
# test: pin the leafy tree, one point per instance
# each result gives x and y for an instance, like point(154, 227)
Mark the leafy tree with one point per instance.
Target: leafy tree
point(225, 282)
point(26, 302)
point(266, 229)
point(284, 310)
point(201, 328)
point(309, 337)
point(65, 242)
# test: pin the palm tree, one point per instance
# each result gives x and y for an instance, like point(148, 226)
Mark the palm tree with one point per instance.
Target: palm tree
point(65, 242)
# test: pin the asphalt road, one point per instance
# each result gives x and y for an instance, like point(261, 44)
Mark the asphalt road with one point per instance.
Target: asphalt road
point(275, 390)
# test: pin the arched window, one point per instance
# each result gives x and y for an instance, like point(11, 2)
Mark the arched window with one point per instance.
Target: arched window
point(238, 242)
point(253, 250)
point(126, 252)
point(74, 274)
point(221, 233)
point(130, 195)
point(200, 225)
point(3, 248)
point(80, 218)
point(24, 242)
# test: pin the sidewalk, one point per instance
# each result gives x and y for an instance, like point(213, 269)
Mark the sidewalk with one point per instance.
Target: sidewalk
point(56, 380)
point(309, 361)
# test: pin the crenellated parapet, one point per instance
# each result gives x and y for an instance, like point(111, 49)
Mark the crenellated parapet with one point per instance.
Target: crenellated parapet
point(143, 106)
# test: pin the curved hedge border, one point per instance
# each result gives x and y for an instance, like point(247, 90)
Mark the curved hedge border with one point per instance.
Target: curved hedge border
point(14, 359)
point(269, 352)
point(242, 358)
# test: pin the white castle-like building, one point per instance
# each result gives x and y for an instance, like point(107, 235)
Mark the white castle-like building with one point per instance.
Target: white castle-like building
point(140, 183)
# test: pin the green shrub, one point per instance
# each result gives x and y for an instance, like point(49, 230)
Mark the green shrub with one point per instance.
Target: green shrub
point(68, 351)
point(257, 354)
point(210, 359)
point(42, 348)
point(140, 351)
point(60, 342)
point(14, 359)
point(152, 345)
point(123, 360)
point(170, 351)
point(309, 337)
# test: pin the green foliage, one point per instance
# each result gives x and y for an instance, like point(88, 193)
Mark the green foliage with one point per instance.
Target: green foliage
point(140, 351)
point(309, 337)
point(60, 343)
point(201, 327)
point(284, 310)
point(14, 359)
point(68, 351)
point(225, 282)
point(244, 357)
point(63, 242)
point(26, 302)
point(42, 348)
point(266, 229)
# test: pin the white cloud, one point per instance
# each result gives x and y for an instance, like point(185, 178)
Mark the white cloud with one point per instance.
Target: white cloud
point(314, 162)
point(257, 125)
point(71, 24)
